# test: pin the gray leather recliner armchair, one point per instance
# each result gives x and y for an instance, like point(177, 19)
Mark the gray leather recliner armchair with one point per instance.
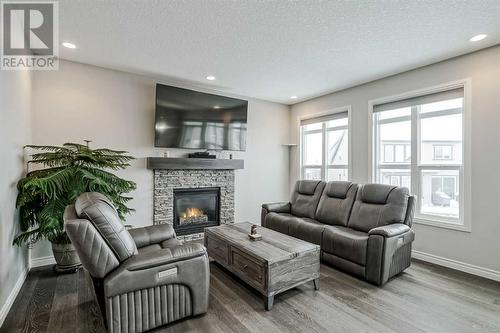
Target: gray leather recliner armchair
point(144, 278)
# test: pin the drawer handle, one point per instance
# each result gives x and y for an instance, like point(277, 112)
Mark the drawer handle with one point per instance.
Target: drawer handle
point(244, 266)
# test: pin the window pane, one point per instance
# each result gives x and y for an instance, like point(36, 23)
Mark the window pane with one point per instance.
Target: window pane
point(312, 174)
point(392, 135)
point(313, 151)
point(443, 105)
point(406, 181)
point(438, 140)
point(315, 126)
point(440, 193)
point(328, 137)
point(336, 174)
point(397, 177)
point(337, 147)
point(399, 153)
point(441, 139)
point(408, 153)
point(396, 113)
point(337, 122)
point(443, 152)
point(388, 154)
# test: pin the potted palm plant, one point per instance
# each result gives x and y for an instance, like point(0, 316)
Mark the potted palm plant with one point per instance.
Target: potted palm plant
point(68, 171)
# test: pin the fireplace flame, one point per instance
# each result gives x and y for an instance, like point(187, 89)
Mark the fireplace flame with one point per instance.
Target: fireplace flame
point(192, 212)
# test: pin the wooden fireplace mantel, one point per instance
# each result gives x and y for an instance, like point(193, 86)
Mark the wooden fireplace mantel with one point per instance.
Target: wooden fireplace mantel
point(193, 163)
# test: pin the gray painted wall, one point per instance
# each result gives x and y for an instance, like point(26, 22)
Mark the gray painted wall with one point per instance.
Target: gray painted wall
point(15, 131)
point(480, 247)
point(116, 110)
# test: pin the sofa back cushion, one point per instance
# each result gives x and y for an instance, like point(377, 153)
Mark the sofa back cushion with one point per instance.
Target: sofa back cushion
point(305, 197)
point(377, 205)
point(99, 210)
point(336, 203)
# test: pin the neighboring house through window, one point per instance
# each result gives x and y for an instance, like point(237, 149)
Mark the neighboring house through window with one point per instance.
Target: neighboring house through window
point(418, 143)
point(443, 152)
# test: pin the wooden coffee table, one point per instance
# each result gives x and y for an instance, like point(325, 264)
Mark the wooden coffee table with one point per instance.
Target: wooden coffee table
point(272, 265)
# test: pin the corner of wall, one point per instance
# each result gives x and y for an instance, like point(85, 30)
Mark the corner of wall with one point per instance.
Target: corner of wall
point(16, 104)
point(4, 310)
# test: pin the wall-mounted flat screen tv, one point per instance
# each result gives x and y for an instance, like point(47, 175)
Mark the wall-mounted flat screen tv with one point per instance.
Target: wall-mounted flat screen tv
point(190, 119)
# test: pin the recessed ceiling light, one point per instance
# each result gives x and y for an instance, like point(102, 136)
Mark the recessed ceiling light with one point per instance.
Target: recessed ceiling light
point(293, 97)
point(477, 38)
point(216, 107)
point(69, 45)
point(210, 77)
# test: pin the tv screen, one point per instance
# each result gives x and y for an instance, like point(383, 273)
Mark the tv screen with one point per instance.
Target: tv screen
point(193, 120)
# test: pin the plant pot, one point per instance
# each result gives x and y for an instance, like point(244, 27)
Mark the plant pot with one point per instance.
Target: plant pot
point(67, 260)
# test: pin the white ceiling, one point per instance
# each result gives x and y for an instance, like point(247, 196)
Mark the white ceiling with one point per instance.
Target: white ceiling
point(273, 49)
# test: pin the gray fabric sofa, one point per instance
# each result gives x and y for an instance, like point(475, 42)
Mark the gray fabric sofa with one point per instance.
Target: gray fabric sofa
point(364, 230)
point(143, 278)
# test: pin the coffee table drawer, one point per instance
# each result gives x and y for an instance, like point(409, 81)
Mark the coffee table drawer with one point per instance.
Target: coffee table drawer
point(248, 266)
point(217, 250)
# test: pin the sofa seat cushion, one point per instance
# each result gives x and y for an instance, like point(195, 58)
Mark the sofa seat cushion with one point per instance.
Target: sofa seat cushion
point(170, 243)
point(306, 229)
point(149, 248)
point(279, 221)
point(346, 243)
point(165, 256)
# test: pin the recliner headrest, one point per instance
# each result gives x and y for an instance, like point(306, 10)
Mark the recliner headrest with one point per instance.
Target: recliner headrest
point(307, 186)
point(87, 199)
point(338, 189)
point(99, 210)
point(379, 193)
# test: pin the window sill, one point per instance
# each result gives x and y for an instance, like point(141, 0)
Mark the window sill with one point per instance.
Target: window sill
point(442, 224)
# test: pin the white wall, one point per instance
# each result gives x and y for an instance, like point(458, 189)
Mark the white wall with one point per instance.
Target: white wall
point(116, 110)
point(15, 132)
point(481, 247)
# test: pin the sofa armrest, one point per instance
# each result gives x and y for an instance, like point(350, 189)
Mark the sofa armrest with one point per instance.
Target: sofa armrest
point(153, 234)
point(164, 256)
point(277, 207)
point(390, 230)
point(388, 252)
point(410, 211)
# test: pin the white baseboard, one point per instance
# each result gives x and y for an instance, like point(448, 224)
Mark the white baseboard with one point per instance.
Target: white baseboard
point(457, 265)
point(13, 294)
point(42, 261)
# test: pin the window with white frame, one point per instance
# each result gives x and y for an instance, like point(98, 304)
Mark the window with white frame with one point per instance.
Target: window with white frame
point(418, 143)
point(325, 147)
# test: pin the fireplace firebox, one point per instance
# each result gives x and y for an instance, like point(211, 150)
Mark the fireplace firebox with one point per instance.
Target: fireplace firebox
point(196, 209)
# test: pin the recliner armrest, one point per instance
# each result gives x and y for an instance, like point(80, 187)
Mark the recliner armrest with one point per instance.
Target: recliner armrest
point(153, 234)
point(164, 256)
point(390, 230)
point(184, 264)
point(277, 207)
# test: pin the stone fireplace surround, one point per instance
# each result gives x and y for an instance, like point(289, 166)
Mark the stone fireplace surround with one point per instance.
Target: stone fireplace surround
point(166, 180)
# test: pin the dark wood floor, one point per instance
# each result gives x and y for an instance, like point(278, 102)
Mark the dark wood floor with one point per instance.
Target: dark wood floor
point(425, 298)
